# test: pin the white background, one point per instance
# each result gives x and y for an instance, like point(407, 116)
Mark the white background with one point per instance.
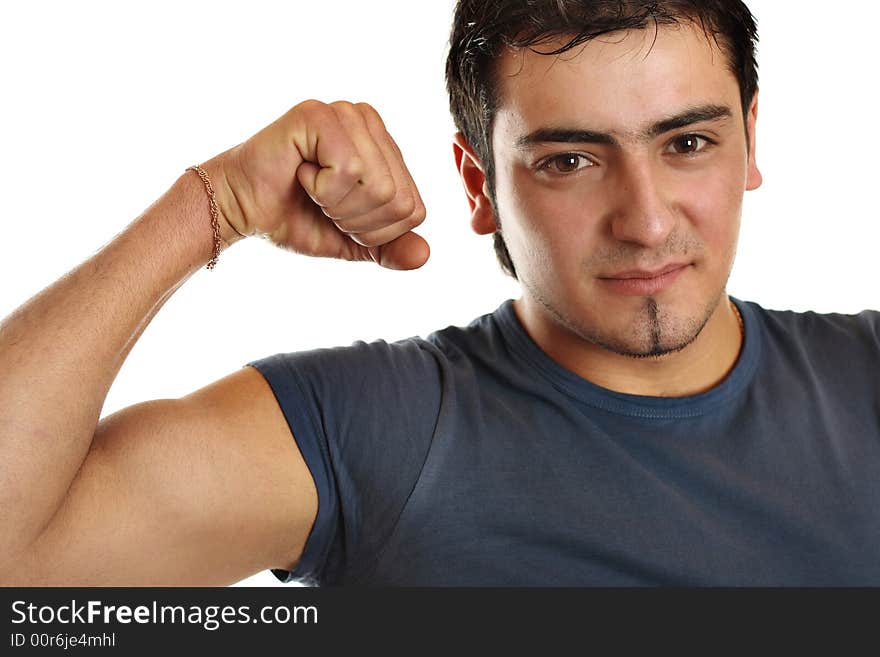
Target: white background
point(106, 103)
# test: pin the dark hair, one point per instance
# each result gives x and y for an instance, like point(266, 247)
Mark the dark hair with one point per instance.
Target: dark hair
point(481, 28)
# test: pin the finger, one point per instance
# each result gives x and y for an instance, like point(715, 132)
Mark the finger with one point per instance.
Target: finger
point(407, 202)
point(313, 234)
point(333, 164)
point(375, 186)
point(409, 251)
point(399, 158)
point(388, 233)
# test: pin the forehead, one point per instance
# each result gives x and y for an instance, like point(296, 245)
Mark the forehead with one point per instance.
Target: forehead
point(615, 83)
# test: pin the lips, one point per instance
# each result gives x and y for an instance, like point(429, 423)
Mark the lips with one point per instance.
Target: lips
point(641, 273)
point(639, 282)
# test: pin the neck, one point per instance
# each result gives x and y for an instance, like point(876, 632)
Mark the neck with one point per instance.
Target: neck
point(699, 367)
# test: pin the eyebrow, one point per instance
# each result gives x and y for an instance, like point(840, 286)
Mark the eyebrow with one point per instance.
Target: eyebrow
point(584, 136)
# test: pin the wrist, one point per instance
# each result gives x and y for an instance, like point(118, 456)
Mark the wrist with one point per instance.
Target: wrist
point(229, 215)
point(204, 216)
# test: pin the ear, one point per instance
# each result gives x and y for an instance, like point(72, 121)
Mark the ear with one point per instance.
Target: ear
point(471, 171)
point(753, 175)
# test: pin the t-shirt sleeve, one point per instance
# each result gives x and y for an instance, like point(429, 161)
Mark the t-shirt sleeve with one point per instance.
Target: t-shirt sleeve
point(871, 319)
point(363, 417)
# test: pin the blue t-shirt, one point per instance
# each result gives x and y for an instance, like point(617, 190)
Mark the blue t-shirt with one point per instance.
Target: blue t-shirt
point(472, 458)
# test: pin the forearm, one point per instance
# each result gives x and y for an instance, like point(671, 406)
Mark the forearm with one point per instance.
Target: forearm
point(62, 349)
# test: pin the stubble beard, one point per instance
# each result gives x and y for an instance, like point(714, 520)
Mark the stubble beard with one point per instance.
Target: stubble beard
point(650, 334)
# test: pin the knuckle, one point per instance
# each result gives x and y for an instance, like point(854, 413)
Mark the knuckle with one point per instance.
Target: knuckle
point(347, 114)
point(395, 148)
point(404, 205)
point(414, 220)
point(352, 168)
point(311, 106)
point(366, 108)
point(383, 191)
point(418, 216)
point(370, 114)
point(343, 107)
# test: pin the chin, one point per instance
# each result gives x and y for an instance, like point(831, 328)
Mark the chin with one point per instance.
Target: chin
point(646, 327)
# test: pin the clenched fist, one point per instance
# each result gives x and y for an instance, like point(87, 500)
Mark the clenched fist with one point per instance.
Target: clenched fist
point(324, 180)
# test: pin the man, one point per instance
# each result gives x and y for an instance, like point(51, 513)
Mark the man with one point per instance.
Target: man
point(624, 422)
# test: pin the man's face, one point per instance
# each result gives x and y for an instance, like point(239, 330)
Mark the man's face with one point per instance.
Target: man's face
point(659, 182)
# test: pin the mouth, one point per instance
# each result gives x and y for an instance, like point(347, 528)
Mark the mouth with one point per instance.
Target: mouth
point(637, 282)
point(641, 273)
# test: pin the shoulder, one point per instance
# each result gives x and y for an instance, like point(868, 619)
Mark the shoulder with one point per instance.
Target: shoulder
point(812, 325)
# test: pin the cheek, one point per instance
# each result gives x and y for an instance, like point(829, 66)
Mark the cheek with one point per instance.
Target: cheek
point(554, 235)
point(714, 205)
point(559, 217)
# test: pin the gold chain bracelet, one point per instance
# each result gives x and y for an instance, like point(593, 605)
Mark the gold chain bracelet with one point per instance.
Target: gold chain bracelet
point(215, 213)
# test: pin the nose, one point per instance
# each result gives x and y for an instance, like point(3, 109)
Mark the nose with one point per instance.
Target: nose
point(642, 211)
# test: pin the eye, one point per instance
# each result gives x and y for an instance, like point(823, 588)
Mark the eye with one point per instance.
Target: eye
point(689, 144)
point(565, 163)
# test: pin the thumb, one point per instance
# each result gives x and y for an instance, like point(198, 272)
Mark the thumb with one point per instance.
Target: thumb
point(409, 251)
